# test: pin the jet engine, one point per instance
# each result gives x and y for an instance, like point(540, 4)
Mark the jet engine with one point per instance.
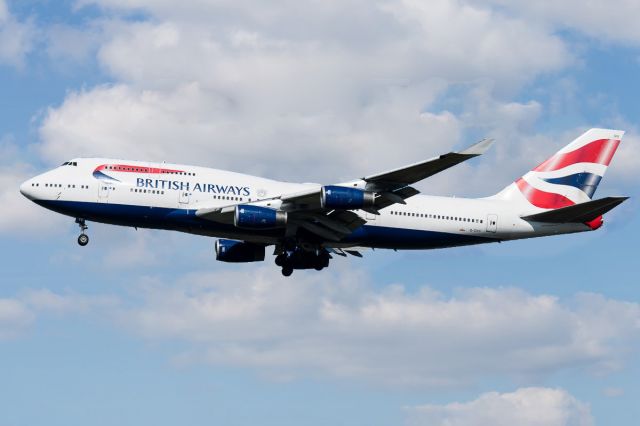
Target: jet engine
point(256, 217)
point(341, 197)
point(233, 251)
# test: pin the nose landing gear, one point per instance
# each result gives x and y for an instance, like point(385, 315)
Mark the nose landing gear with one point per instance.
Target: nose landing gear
point(83, 239)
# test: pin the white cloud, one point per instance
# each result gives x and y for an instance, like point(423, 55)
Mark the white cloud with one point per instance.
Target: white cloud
point(339, 326)
point(15, 317)
point(322, 92)
point(19, 313)
point(191, 124)
point(603, 20)
point(524, 407)
point(16, 38)
point(45, 301)
point(399, 41)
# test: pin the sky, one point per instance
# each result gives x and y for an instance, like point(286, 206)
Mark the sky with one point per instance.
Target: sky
point(145, 327)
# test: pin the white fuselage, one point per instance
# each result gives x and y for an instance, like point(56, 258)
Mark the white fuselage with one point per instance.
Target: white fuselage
point(166, 196)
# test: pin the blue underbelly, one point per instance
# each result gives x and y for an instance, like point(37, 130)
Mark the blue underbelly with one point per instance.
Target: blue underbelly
point(185, 220)
point(403, 238)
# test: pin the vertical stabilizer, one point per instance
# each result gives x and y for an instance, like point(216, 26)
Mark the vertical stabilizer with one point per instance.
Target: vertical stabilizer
point(570, 176)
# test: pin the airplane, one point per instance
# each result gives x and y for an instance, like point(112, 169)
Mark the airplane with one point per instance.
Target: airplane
point(310, 223)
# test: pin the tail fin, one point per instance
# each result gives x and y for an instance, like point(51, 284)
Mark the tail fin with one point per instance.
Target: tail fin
point(570, 176)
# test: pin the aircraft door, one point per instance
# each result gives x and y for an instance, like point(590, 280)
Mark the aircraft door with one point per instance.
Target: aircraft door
point(492, 223)
point(183, 197)
point(103, 192)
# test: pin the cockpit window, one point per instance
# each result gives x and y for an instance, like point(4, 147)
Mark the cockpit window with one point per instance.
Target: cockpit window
point(69, 163)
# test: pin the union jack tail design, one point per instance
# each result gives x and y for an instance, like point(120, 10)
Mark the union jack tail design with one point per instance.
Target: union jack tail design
point(569, 177)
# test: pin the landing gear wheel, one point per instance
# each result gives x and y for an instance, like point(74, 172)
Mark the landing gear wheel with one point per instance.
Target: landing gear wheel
point(83, 240)
point(280, 259)
point(287, 271)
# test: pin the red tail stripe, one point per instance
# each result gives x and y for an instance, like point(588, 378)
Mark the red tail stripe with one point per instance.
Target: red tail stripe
point(595, 223)
point(600, 152)
point(542, 199)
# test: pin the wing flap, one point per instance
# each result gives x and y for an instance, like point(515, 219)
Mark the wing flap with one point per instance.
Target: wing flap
point(578, 213)
point(304, 200)
point(387, 198)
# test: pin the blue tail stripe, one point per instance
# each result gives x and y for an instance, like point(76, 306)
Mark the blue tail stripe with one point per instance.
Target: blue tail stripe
point(586, 182)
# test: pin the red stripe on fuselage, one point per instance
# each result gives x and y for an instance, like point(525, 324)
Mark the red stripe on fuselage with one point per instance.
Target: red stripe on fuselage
point(126, 168)
point(542, 199)
point(600, 152)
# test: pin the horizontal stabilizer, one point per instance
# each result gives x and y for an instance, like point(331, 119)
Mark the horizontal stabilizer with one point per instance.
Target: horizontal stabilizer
point(578, 213)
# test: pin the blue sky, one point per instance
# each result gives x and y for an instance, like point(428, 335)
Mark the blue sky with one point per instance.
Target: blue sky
point(146, 327)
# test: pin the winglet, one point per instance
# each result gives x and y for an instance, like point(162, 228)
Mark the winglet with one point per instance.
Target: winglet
point(478, 148)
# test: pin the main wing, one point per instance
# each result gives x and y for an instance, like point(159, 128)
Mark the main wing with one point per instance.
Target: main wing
point(413, 173)
point(311, 211)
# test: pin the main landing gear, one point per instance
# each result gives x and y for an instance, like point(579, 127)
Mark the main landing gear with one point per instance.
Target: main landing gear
point(301, 259)
point(83, 239)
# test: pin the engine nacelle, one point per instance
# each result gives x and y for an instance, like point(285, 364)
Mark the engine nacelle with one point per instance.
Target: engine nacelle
point(341, 197)
point(255, 217)
point(233, 251)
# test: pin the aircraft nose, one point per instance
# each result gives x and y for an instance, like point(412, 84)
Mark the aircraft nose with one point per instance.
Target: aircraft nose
point(26, 189)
